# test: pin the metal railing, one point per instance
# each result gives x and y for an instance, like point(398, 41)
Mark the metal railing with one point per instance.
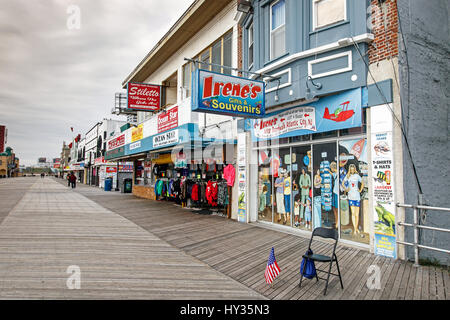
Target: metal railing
point(417, 209)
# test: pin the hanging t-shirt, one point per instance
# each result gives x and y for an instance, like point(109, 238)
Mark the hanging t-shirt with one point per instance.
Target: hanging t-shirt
point(229, 174)
point(353, 193)
point(287, 185)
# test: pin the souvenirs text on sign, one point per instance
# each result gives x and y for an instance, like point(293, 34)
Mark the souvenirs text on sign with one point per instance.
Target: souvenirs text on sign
point(227, 95)
point(144, 97)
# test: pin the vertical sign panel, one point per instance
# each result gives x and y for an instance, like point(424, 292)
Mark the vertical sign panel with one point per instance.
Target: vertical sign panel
point(242, 177)
point(383, 181)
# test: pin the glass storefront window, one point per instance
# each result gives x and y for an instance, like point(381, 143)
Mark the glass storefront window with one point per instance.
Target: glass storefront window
point(301, 187)
point(325, 207)
point(303, 138)
point(354, 201)
point(281, 171)
point(324, 135)
point(265, 189)
point(139, 173)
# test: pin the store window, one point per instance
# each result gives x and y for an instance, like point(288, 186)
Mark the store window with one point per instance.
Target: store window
point(218, 53)
point(187, 75)
point(227, 46)
point(139, 173)
point(205, 57)
point(353, 190)
point(328, 12)
point(250, 46)
point(277, 29)
point(302, 187)
point(325, 207)
point(216, 56)
point(281, 171)
point(265, 190)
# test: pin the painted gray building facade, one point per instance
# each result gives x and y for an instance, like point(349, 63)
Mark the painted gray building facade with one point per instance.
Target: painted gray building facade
point(424, 80)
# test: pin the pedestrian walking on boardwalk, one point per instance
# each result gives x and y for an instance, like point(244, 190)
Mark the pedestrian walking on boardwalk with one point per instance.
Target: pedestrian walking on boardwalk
point(73, 180)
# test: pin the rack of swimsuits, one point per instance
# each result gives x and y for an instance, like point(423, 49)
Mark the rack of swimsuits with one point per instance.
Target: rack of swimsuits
point(201, 193)
point(193, 192)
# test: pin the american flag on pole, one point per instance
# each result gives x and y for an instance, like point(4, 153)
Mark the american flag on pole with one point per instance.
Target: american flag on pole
point(272, 269)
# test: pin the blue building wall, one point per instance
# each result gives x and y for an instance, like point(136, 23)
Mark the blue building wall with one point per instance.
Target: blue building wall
point(301, 37)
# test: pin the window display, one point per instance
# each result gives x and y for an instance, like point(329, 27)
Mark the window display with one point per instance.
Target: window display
point(264, 186)
point(281, 169)
point(318, 185)
point(301, 189)
point(323, 155)
point(354, 202)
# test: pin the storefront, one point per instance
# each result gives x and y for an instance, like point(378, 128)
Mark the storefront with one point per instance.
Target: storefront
point(181, 167)
point(102, 170)
point(313, 167)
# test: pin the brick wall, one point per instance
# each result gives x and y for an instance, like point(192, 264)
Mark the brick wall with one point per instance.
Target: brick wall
point(239, 45)
point(385, 28)
point(144, 192)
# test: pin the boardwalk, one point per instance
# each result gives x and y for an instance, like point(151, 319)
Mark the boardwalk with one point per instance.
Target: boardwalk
point(129, 248)
point(50, 228)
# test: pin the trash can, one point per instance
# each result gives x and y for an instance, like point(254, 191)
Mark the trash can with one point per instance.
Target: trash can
point(127, 185)
point(108, 184)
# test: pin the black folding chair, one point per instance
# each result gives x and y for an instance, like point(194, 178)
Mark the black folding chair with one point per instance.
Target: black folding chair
point(330, 234)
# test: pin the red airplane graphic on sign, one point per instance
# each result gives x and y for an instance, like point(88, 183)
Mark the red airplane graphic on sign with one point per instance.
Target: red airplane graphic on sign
point(340, 114)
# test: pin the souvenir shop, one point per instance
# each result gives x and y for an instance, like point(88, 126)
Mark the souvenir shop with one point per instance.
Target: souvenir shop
point(204, 186)
point(314, 172)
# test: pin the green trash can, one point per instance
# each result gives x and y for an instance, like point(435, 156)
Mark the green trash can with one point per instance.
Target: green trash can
point(127, 185)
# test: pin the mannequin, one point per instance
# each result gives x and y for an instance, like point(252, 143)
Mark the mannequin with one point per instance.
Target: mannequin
point(305, 185)
point(287, 197)
point(350, 184)
point(279, 191)
point(335, 199)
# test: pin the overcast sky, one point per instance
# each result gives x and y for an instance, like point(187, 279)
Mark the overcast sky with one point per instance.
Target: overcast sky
point(53, 77)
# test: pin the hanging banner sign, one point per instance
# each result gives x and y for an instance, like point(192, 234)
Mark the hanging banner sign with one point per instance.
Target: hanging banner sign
point(228, 95)
point(111, 169)
point(168, 120)
point(116, 142)
point(303, 118)
point(164, 139)
point(383, 182)
point(242, 177)
point(143, 97)
point(341, 111)
point(137, 133)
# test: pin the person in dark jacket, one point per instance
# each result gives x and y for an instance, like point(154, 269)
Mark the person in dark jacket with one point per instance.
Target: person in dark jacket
point(73, 180)
point(68, 179)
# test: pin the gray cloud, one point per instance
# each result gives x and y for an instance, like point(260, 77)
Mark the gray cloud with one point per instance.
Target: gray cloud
point(53, 78)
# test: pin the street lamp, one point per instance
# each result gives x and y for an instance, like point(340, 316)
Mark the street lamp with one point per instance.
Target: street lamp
point(244, 6)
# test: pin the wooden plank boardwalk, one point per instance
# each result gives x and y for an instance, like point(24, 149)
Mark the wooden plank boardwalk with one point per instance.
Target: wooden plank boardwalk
point(46, 227)
point(240, 251)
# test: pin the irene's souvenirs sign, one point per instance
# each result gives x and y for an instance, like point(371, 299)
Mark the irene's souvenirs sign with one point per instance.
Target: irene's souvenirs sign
point(227, 95)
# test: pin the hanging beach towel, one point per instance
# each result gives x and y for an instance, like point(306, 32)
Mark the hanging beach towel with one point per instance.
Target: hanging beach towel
point(307, 267)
